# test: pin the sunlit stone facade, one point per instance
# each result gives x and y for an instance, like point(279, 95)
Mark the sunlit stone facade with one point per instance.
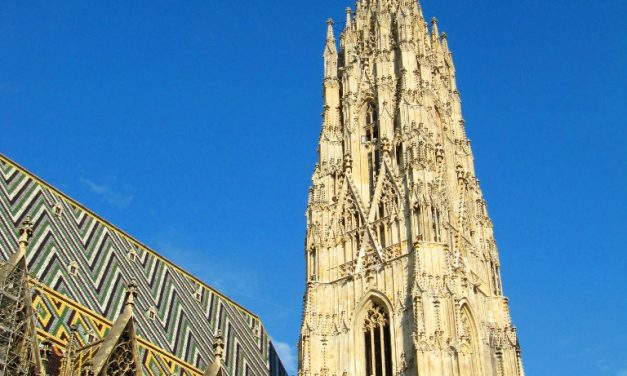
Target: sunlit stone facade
point(403, 273)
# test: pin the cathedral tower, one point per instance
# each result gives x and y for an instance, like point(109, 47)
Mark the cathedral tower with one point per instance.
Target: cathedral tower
point(402, 268)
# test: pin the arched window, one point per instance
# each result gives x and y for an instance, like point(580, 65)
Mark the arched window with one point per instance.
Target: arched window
point(377, 341)
point(469, 359)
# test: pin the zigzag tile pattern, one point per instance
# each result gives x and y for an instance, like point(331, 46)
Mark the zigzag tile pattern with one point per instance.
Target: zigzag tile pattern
point(83, 258)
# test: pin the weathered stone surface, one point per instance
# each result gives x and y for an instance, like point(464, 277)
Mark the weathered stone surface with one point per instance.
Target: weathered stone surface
point(399, 242)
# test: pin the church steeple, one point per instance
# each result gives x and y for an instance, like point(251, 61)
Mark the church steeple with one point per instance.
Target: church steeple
point(330, 53)
point(400, 250)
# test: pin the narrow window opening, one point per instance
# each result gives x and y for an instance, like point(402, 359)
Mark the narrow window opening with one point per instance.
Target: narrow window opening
point(382, 235)
point(399, 156)
point(314, 266)
point(368, 349)
point(377, 342)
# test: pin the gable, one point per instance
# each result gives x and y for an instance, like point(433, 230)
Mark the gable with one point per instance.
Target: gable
point(81, 263)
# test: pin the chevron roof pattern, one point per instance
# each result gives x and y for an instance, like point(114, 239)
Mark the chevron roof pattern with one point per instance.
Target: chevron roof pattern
point(80, 264)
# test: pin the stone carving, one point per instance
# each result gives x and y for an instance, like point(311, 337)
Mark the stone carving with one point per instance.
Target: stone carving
point(395, 213)
point(122, 361)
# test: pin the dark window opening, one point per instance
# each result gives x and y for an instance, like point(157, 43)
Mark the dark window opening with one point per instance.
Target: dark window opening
point(377, 342)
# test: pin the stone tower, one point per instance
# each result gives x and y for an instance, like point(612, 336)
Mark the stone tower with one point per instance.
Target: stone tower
point(402, 268)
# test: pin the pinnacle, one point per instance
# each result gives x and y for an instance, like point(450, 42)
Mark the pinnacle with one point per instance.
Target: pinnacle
point(330, 35)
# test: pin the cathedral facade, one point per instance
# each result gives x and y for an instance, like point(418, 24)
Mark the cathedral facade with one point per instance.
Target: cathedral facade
point(79, 297)
point(403, 273)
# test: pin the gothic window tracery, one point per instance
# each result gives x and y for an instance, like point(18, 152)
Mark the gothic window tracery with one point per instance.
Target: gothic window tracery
point(377, 341)
point(469, 338)
point(122, 361)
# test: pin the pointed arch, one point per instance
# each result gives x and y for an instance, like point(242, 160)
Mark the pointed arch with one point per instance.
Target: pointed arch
point(373, 337)
point(116, 354)
point(366, 87)
point(386, 211)
point(469, 352)
point(350, 203)
point(386, 185)
point(350, 213)
point(123, 359)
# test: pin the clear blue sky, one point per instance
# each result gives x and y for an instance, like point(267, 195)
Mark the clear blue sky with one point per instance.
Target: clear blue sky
point(193, 126)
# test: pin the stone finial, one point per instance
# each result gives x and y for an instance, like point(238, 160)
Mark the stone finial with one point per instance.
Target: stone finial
point(435, 34)
point(45, 351)
point(88, 369)
point(218, 348)
point(439, 153)
point(348, 17)
point(131, 293)
point(26, 232)
point(348, 163)
point(461, 178)
point(386, 146)
point(444, 40)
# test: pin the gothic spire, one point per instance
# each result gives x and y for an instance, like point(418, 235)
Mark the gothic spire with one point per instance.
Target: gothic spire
point(444, 40)
point(384, 202)
point(435, 33)
point(330, 53)
point(330, 34)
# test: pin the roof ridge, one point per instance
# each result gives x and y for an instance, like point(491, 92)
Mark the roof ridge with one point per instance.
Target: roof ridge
point(129, 237)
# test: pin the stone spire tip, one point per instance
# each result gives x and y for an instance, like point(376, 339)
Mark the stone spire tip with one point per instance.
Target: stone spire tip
point(435, 34)
point(218, 347)
point(25, 231)
point(131, 293)
point(330, 34)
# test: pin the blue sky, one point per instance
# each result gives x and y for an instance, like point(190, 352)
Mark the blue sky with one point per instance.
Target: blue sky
point(193, 126)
